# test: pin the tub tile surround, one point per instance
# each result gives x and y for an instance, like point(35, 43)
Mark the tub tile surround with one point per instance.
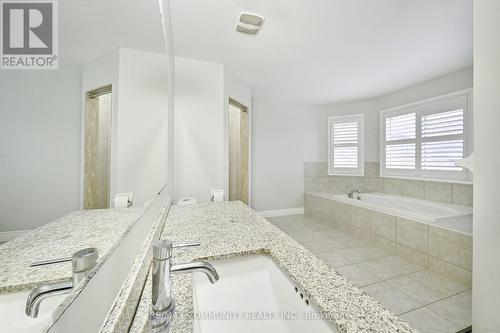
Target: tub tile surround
point(431, 301)
point(444, 251)
point(231, 229)
point(384, 226)
point(412, 234)
point(451, 247)
point(413, 189)
point(316, 179)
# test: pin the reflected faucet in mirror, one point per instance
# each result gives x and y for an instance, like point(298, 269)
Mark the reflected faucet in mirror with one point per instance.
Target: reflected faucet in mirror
point(83, 262)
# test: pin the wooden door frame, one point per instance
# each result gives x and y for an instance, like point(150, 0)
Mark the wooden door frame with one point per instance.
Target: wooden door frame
point(233, 102)
point(92, 94)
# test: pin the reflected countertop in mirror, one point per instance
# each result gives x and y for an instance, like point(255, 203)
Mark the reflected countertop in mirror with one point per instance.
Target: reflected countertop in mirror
point(101, 228)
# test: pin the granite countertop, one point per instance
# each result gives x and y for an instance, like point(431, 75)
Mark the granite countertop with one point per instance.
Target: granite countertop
point(232, 229)
point(101, 228)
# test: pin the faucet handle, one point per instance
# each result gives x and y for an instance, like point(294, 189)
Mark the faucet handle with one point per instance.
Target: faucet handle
point(85, 259)
point(181, 245)
point(162, 248)
point(83, 263)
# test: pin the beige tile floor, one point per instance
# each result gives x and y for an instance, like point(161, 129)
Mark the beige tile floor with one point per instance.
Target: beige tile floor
point(428, 301)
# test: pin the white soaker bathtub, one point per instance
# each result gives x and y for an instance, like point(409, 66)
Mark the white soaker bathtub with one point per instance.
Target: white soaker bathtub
point(457, 218)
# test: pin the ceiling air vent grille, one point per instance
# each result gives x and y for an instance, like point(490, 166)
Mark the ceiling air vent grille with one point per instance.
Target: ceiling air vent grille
point(249, 23)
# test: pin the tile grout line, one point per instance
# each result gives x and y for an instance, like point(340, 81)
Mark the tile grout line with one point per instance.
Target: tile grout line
point(427, 304)
point(442, 299)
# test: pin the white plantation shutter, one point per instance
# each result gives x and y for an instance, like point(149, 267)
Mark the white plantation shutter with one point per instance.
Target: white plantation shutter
point(345, 145)
point(423, 141)
point(345, 157)
point(401, 127)
point(400, 135)
point(400, 156)
point(442, 140)
point(440, 155)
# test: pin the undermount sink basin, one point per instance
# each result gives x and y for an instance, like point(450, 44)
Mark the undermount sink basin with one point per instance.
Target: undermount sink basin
point(12, 316)
point(253, 295)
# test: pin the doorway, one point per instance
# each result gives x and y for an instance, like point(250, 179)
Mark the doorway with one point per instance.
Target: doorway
point(96, 182)
point(238, 151)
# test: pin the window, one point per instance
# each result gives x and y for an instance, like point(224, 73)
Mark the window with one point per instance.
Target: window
point(424, 139)
point(346, 145)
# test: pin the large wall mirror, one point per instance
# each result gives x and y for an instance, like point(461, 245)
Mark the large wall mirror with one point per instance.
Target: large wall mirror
point(83, 147)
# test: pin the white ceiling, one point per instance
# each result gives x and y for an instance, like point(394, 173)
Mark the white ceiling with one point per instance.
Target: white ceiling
point(321, 51)
point(90, 28)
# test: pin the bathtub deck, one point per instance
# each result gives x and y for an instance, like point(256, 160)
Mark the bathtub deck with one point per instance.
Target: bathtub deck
point(461, 224)
point(428, 301)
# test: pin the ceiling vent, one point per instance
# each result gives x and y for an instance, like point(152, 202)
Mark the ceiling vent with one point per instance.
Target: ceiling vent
point(249, 23)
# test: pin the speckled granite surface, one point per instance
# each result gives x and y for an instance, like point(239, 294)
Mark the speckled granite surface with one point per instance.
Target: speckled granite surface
point(232, 229)
point(123, 311)
point(103, 228)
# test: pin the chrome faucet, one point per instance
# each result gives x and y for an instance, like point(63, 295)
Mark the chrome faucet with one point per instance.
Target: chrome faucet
point(83, 262)
point(163, 304)
point(351, 194)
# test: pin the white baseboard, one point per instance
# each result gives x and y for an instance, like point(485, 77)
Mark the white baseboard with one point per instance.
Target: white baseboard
point(282, 212)
point(6, 236)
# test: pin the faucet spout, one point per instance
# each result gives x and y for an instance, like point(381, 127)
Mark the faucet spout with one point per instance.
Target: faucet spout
point(83, 262)
point(36, 297)
point(162, 301)
point(351, 194)
point(197, 266)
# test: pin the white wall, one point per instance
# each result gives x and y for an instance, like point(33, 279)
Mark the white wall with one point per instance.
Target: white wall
point(202, 90)
point(371, 108)
point(199, 128)
point(40, 119)
point(441, 85)
point(486, 268)
point(141, 151)
point(285, 135)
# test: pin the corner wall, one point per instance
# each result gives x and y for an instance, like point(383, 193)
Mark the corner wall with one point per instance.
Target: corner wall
point(285, 135)
point(139, 144)
point(199, 128)
point(486, 269)
point(141, 151)
point(202, 90)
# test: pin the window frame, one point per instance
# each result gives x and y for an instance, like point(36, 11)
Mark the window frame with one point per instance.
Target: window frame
point(360, 170)
point(452, 101)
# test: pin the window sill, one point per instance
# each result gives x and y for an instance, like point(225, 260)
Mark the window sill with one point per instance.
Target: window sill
point(437, 180)
point(347, 174)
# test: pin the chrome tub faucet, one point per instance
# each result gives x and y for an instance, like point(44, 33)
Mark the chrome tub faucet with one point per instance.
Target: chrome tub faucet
point(83, 262)
point(162, 300)
point(351, 194)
